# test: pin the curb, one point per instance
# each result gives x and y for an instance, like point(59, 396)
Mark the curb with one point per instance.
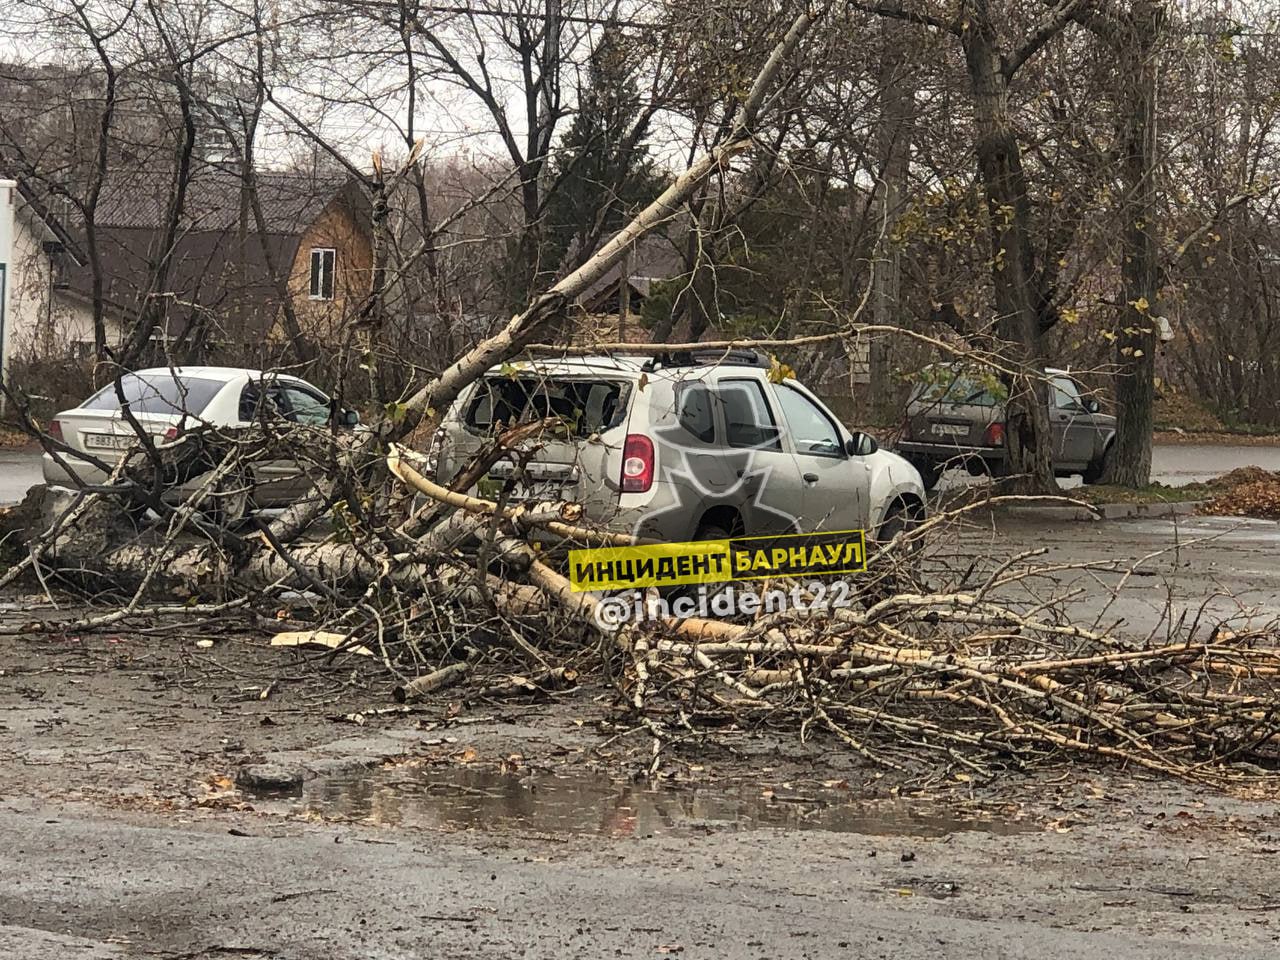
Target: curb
point(1106, 511)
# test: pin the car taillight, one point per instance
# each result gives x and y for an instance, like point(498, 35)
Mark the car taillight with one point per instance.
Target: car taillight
point(55, 430)
point(994, 437)
point(637, 464)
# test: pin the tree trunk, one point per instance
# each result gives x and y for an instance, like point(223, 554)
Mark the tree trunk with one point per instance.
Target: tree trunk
point(1129, 463)
point(893, 147)
point(1013, 275)
point(624, 295)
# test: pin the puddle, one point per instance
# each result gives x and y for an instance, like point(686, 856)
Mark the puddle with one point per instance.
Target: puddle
point(591, 804)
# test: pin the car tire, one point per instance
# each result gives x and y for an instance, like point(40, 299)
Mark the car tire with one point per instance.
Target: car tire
point(712, 531)
point(901, 518)
point(904, 577)
point(707, 531)
point(929, 470)
point(228, 503)
point(1097, 468)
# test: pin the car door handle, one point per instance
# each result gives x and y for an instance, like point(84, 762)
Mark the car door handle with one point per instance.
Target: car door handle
point(810, 478)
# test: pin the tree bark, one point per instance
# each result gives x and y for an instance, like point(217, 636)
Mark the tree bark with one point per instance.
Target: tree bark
point(624, 295)
point(893, 136)
point(1129, 463)
point(1013, 275)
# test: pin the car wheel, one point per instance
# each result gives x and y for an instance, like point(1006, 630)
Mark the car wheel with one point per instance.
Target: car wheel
point(712, 531)
point(903, 575)
point(707, 531)
point(929, 470)
point(228, 503)
point(901, 518)
point(1097, 468)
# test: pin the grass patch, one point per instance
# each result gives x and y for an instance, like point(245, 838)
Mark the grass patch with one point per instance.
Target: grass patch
point(1243, 492)
point(1154, 493)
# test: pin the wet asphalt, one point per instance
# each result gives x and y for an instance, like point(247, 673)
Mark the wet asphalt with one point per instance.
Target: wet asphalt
point(19, 472)
point(1177, 464)
point(116, 888)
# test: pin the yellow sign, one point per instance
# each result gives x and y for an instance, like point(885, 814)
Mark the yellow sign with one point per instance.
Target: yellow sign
point(715, 561)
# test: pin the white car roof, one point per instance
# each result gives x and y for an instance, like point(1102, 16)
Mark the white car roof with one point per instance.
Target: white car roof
point(226, 374)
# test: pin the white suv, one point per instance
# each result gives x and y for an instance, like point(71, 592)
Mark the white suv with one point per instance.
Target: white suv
point(681, 447)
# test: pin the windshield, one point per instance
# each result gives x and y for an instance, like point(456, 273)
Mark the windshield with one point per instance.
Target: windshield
point(163, 393)
point(585, 406)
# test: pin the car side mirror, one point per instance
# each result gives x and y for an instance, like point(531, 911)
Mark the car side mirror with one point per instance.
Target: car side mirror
point(1091, 405)
point(350, 418)
point(861, 445)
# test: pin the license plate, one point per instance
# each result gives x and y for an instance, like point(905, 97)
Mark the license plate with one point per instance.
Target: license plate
point(109, 441)
point(491, 486)
point(950, 430)
point(539, 490)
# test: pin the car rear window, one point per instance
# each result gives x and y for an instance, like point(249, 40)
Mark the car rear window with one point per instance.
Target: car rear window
point(162, 393)
point(585, 406)
point(960, 390)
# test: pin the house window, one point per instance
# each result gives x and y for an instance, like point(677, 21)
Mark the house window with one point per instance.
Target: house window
point(322, 264)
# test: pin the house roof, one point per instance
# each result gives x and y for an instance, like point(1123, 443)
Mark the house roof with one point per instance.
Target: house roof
point(207, 275)
point(656, 257)
point(55, 226)
point(212, 278)
point(290, 201)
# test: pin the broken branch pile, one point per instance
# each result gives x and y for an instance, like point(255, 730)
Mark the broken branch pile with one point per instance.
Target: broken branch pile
point(982, 672)
point(959, 681)
point(978, 673)
point(961, 678)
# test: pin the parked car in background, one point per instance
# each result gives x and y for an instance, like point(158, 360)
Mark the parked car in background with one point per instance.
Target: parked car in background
point(165, 402)
point(956, 418)
point(683, 447)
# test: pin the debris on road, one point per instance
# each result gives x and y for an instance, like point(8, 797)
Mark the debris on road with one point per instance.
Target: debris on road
point(320, 639)
point(1246, 492)
point(268, 777)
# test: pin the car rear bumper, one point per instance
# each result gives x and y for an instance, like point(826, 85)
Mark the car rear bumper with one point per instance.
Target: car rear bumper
point(77, 473)
point(946, 451)
point(665, 513)
point(71, 472)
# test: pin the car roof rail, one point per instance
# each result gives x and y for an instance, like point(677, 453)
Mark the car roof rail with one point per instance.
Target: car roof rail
point(711, 356)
